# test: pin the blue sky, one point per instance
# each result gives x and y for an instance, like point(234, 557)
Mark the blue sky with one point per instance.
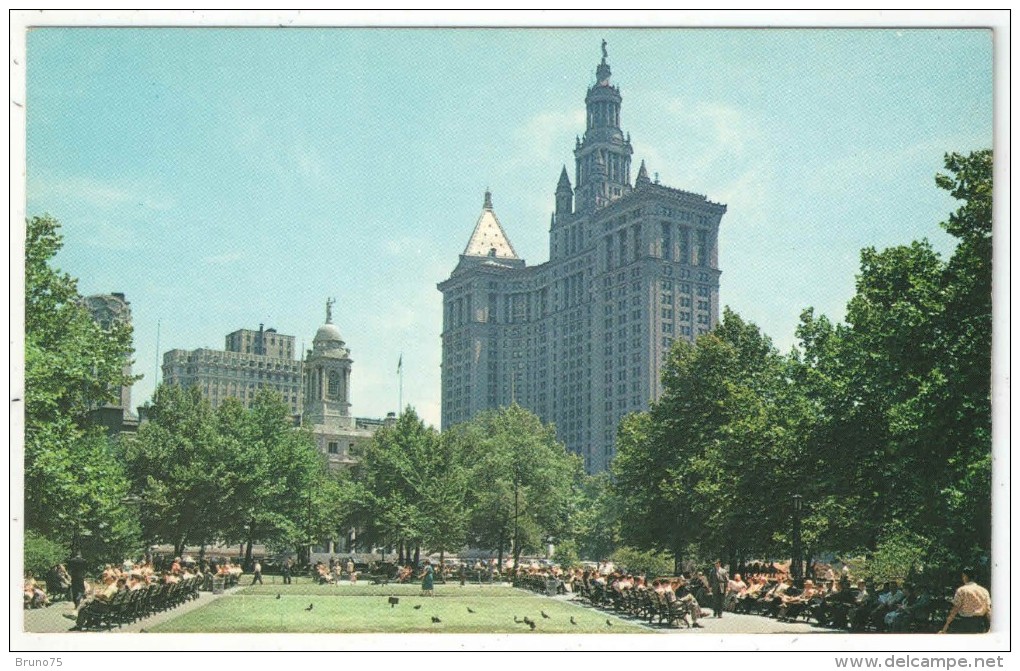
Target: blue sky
point(225, 177)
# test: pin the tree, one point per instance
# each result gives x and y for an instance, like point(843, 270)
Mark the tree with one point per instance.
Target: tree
point(275, 483)
point(414, 488)
point(520, 477)
point(178, 469)
point(723, 439)
point(74, 480)
point(904, 387)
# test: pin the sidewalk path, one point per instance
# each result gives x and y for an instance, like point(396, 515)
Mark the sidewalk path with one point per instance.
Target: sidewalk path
point(51, 620)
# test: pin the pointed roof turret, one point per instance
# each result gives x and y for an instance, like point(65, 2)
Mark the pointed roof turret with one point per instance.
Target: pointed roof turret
point(642, 175)
point(564, 183)
point(489, 238)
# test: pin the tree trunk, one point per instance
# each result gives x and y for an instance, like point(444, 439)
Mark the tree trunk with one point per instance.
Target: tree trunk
point(417, 556)
point(247, 555)
point(400, 552)
point(179, 548)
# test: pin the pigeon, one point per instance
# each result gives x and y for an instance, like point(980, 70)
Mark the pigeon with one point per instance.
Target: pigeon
point(394, 600)
point(417, 607)
point(469, 609)
point(516, 621)
point(310, 606)
point(572, 620)
point(278, 596)
point(608, 623)
point(436, 620)
point(528, 620)
point(532, 625)
point(544, 616)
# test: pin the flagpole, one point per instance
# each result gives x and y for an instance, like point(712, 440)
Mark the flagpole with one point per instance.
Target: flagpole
point(400, 392)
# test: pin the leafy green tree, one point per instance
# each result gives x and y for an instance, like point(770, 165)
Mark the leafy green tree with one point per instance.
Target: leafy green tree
point(414, 488)
point(595, 517)
point(724, 439)
point(275, 487)
point(74, 480)
point(521, 479)
point(177, 470)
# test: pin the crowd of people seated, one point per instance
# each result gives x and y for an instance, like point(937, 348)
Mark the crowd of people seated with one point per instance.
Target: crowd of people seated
point(838, 604)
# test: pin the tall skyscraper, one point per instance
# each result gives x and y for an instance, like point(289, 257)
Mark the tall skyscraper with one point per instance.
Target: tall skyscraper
point(580, 340)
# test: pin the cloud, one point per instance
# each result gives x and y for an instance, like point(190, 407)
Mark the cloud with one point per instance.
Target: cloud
point(545, 137)
point(100, 194)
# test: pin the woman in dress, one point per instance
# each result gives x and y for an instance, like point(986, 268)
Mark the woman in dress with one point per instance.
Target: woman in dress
point(427, 586)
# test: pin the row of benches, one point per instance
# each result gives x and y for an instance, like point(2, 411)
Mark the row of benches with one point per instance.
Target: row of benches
point(127, 606)
point(647, 605)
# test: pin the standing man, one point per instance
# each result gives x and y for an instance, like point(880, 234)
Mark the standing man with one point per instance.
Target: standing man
point(76, 567)
point(258, 573)
point(972, 608)
point(720, 582)
point(286, 571)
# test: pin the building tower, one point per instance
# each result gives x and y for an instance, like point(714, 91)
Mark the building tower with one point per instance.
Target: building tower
point(108, 310)
point(602, 157)
point(580, 340)
point(327, 373)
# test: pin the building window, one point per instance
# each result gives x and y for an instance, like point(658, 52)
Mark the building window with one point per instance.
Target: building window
point(334, 448)
point(334, 384)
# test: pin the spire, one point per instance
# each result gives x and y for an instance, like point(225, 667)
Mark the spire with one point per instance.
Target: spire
point(602, 73)
point(489, 238)
point(642, 175)
point(329, 310)
point(564, 183)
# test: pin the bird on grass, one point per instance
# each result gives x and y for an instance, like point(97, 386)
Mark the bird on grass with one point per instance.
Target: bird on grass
point(516, 621)
point(310, 606)
point(435, 620)
point(544, 616)
point(532, 625)
point(572, 620)
point(279, 596)
point(469, 609)
point(394, 600)
point(608, 623)
point(417, 607)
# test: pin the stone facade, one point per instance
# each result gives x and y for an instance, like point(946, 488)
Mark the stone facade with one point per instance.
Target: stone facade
point(266, 342)
point(223, 374)
point(327, 397)
point(108, 309)
point(580, 340)
point(317, 389)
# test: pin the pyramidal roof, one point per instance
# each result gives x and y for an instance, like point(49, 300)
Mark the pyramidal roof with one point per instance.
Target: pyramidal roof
point(489, 238)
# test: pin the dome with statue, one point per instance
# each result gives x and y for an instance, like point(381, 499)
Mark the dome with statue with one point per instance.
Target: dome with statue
point(328, 335)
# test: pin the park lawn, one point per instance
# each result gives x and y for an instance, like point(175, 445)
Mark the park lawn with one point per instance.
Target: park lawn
point(363, 609)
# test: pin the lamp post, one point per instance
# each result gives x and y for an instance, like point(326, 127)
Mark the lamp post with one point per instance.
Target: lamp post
point(796, 567)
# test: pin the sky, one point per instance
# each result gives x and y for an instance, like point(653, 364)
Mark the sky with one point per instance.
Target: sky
point(223, 178)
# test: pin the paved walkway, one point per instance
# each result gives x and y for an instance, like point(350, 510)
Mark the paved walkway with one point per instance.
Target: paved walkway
point(729, 623)
point(51, 620)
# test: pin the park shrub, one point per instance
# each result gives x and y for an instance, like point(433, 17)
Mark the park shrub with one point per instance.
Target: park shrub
point(41, 553)
point(638, 561)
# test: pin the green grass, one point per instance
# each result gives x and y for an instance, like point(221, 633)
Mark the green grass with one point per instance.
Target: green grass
point(363, 609)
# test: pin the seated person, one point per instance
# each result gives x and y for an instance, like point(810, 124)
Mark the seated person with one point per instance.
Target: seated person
point(35, 595)
point(685, 602)
point(915, 608)
point(735, 587)
point(791, 605)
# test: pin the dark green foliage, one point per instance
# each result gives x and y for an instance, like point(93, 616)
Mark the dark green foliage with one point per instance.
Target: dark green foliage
point(882, 424)
point(41, 554)
point(74, 478)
